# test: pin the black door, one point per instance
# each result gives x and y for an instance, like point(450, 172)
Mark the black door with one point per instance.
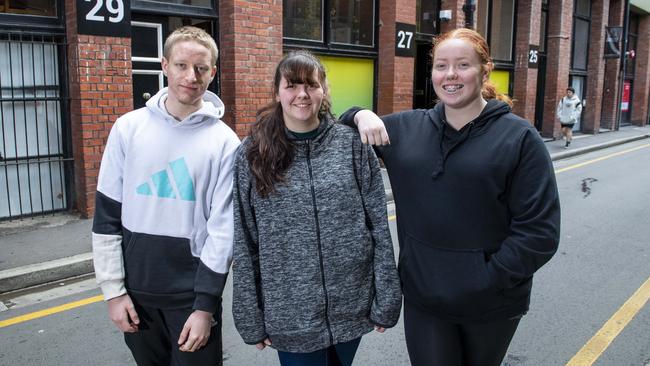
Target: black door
point(423, 94)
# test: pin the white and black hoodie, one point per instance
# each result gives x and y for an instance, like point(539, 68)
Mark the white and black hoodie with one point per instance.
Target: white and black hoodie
point(163, 228)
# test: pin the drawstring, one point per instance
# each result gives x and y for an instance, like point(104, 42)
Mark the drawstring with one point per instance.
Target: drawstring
point(439, 165)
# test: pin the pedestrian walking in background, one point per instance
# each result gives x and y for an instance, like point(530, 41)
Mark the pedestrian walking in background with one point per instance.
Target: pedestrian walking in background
point(568, 112)
point(314, 268)
point(163, 228)
point(477, 208)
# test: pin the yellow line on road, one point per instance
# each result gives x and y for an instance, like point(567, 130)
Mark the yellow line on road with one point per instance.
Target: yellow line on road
point(590, 352)
point(601, 158)
point(50, 311)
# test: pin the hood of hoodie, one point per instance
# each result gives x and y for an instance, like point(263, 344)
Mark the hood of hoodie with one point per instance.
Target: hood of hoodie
point(212, 108)
point(491, 112)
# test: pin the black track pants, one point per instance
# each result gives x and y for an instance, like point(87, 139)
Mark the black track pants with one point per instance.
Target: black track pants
point(156, 341)
point(435, 342)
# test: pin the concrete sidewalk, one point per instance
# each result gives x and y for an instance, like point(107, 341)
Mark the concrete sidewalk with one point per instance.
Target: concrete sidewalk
point(49, 248)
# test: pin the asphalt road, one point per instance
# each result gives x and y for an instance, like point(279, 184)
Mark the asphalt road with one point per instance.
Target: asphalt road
point(603, 259)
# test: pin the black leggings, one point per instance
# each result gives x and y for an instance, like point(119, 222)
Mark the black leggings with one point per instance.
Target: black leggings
point(435, 342)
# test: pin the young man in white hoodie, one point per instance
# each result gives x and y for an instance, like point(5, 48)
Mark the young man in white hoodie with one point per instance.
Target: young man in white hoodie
point(163, 227)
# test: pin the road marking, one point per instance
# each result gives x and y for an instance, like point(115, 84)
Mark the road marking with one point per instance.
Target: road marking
point(592, 350)
point(391, 217)
point(50, 311)
point(600, 159)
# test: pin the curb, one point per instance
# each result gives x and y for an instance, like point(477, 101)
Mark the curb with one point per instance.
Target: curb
point(41, 273)
point(583, 150)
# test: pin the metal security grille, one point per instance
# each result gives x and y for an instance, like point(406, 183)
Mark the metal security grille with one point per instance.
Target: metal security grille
point(35, 158)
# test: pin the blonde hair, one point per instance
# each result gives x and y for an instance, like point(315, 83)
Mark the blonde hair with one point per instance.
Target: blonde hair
point(488, 89)
point(190, 33)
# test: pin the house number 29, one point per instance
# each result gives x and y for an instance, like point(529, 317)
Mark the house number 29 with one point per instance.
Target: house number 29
point(117, 12)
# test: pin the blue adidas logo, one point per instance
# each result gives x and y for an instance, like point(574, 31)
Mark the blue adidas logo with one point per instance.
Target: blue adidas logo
point(162, 184)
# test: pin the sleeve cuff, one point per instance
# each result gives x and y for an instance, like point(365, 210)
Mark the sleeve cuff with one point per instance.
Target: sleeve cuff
point(206, 302)
point(347, 118)
point(112, 289)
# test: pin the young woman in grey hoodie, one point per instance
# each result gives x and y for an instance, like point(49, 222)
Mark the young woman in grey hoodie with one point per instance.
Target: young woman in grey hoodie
point(313, 258)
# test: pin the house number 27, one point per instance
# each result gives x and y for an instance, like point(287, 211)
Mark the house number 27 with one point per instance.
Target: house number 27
point(117, 12)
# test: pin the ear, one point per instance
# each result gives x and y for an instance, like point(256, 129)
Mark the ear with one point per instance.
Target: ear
point(213, 72)
point(165, 65)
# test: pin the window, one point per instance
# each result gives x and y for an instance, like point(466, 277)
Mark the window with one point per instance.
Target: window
point(303, 19)
point(496, 23)
point(329, 23)
point(46, 8)
point(580, 44)
point(188, 8)
point(427, 14)
point(632, 38)
point(501, 29)
point(351, 22)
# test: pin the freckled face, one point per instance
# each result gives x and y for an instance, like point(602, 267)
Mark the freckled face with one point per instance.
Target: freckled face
point(457, 74)
point(189, 72)
point(300, 104)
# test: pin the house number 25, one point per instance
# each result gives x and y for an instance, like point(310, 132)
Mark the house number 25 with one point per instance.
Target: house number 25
point(117, 12)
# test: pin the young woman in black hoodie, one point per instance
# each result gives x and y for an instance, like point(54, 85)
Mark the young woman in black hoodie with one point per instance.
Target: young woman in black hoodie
point(477, 208)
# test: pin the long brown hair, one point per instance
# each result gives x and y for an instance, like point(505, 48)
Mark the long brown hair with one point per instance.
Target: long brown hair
point(270, 152)
point(488, 89)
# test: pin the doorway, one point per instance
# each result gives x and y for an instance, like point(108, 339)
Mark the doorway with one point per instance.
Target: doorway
point(423, 94)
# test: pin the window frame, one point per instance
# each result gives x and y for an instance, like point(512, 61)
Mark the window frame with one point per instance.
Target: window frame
point(175, 10)
point(573, 71)
point(36, 23)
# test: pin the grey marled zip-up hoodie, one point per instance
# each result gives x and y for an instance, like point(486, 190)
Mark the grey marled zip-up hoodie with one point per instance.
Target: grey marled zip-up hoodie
point(313, 264)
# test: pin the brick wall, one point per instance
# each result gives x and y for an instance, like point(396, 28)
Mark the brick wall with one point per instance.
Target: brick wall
point(560, 21)
point(596, 67)
point(642, 73)
point(395, 74)
point(99, 70)
point(525, 79)
point(250, 48)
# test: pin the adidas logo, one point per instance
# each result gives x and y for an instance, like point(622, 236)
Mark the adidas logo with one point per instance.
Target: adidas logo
point(181, 186)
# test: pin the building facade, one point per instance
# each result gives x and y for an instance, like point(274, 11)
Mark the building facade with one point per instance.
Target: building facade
point(69, 68)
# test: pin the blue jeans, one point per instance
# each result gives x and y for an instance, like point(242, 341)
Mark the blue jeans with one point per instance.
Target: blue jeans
point(341, 354)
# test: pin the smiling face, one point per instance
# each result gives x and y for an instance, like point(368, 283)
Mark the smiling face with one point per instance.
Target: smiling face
point(301, 102)
point(189, 72)
point(458, 74)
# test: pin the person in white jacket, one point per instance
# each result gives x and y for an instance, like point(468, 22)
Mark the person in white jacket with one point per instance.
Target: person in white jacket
point(568, 112)
point(163, 227)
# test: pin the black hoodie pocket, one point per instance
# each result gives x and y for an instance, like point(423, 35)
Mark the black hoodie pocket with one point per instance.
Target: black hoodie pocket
point(453, 281)
point(159, 264)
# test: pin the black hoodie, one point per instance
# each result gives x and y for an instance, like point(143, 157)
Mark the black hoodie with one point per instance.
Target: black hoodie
point(478, 210)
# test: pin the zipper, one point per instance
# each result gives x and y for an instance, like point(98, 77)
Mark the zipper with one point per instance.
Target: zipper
point(320, 248)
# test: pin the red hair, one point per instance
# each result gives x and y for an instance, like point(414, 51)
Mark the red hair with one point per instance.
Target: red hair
point(488, 90)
